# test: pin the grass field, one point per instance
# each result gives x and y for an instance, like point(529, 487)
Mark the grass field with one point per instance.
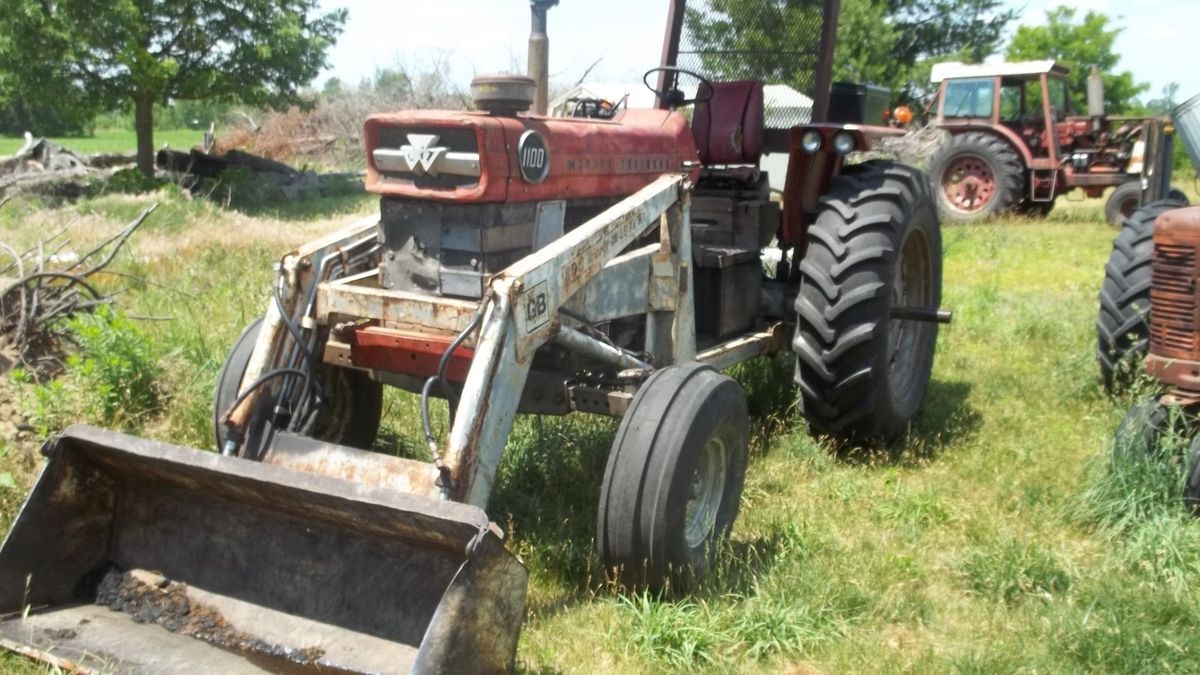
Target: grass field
point(996, 538)
point(116, 140)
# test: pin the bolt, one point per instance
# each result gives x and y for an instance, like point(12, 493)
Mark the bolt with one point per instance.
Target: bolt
point(518, 286)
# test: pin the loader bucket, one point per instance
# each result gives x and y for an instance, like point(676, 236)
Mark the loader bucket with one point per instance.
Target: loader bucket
point(135, 556)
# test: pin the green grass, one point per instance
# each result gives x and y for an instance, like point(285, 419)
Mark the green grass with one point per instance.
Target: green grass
point(112, 140)
point(998, 537)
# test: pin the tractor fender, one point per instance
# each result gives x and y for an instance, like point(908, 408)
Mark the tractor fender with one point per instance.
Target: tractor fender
point(809, 173)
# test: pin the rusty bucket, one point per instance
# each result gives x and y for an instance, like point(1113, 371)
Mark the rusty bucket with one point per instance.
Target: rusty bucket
point(136, 556)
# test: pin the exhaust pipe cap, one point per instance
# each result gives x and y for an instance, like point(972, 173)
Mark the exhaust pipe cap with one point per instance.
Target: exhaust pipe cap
point(503, 94)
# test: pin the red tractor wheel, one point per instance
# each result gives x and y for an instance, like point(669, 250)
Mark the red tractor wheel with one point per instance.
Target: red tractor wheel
point(969, 184)
point(976, 175)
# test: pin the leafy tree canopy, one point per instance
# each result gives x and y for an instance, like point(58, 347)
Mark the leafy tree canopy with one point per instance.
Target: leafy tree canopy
point(144, 51)
point(1080, 44)
point(885, 42)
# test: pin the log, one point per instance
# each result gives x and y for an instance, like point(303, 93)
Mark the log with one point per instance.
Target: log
point(202, 164)
point(107, 160)
point(256, 163)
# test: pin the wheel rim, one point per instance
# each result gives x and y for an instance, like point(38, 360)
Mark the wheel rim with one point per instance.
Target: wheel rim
point(336, 408)
point(1127, 207)
point(969, 184)
point(707, 491)
point(911, 287)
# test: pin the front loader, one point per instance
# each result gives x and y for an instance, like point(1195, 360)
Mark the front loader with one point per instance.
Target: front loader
point(608, 264)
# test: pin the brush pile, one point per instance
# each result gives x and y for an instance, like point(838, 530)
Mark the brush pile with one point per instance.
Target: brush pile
point(42, 287)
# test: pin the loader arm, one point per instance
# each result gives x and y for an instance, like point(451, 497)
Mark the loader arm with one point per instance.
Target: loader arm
point(523, 315)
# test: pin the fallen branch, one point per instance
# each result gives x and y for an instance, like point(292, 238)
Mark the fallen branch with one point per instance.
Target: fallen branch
point(35, 303)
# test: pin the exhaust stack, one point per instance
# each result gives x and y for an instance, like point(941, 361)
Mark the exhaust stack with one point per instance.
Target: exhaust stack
point(1095, 94)
point(539, 54)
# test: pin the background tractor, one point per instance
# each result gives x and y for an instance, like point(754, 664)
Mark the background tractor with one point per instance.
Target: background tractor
point(1015, 144)
point(608, 263)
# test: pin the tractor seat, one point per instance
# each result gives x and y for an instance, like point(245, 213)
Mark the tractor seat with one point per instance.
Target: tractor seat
point(728, 129)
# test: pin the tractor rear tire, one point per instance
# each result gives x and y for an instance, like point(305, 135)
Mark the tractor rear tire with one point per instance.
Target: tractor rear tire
point(1123, 323)
point(876, 243)
point(976, 175)
point(1127, 197)
point(350, 411)
point(674, 478)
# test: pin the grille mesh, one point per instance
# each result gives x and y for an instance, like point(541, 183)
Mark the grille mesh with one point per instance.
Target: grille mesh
point(1173, 301)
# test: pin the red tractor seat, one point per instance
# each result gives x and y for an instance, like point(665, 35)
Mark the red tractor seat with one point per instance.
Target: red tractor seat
point(728, 128)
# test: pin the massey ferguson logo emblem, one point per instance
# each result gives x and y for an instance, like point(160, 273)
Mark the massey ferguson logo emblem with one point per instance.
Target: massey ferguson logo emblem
point(420, 157)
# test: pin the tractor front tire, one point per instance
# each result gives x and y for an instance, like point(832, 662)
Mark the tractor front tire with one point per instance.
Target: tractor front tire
point(674, 478)
point(1191, 480)
point(876, 244)
point(1127, 197)
point(976, 175)
point(1123, 323)
point(350, 410)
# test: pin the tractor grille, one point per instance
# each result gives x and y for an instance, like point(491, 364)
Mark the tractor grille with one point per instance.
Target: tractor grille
point(429, 157)
point(1173, 301)
point(776, 41)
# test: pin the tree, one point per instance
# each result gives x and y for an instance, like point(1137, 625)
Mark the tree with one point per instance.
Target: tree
point(1079, 45)
point(884, 42)
point(32, 96)
point(1166, 102)
point(139, 52)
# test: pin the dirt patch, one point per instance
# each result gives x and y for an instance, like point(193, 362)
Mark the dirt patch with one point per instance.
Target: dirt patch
point(151, 598)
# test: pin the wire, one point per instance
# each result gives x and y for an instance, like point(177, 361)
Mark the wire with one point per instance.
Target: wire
point(444, 363)
point(451, 397)
point(266, 377)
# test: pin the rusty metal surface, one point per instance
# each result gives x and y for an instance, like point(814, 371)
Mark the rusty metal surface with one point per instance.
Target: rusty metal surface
point(1175, 311)
point(1183, 374)
point(352, 299)
point(746, 347)
point(303, 563)
point(357, 466)
point(600, 401)
point(414, 354)
point(490, 397)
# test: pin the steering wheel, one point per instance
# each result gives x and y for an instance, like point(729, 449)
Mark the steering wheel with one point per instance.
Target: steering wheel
point(673, 97)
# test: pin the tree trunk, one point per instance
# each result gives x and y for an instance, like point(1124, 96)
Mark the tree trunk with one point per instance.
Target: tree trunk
point(143, 116)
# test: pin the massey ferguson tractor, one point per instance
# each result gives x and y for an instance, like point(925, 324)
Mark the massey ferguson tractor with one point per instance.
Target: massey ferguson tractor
point(1015, 145)
point(1150, 312)
point(519, 264)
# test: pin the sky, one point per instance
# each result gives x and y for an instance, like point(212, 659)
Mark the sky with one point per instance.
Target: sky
point(621, 39)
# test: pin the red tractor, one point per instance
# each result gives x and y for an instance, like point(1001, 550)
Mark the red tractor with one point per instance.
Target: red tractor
point(1149, 322)
point(1015, 144)
point(609, 263)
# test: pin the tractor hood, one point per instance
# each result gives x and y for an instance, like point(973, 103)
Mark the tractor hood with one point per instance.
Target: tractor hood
point(486, 158)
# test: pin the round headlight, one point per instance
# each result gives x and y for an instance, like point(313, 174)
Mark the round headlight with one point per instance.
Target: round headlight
point(811, 140)
point(843, 142)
